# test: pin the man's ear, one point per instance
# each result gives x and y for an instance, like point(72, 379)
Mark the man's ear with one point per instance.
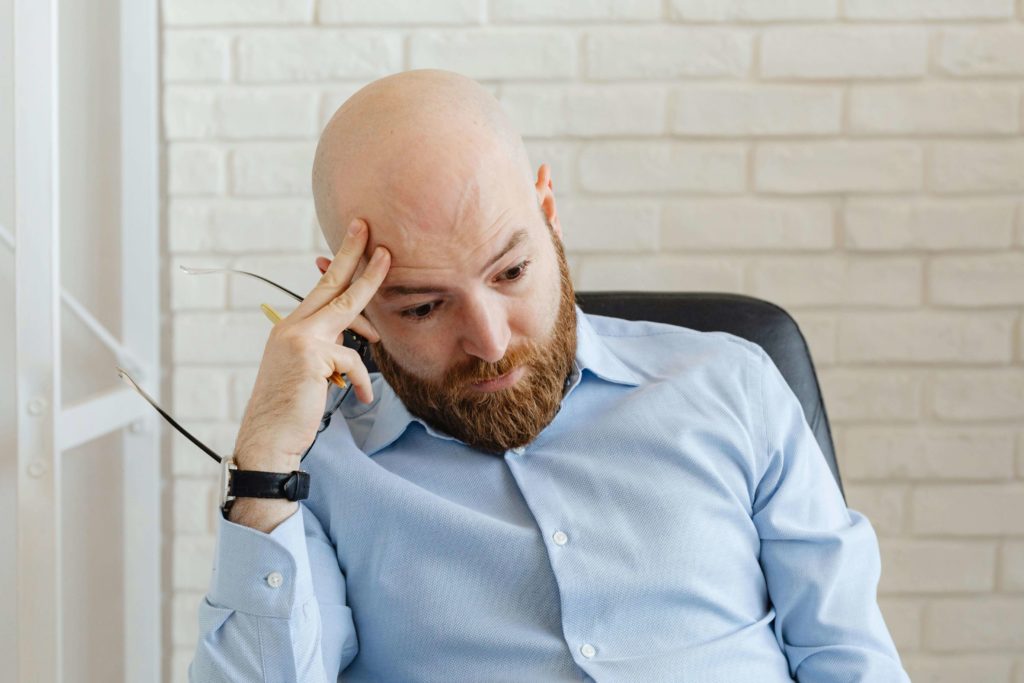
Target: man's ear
point(323, 264)
point(546, 197)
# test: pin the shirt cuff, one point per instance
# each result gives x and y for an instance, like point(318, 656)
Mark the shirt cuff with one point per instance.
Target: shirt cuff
point(261, 574)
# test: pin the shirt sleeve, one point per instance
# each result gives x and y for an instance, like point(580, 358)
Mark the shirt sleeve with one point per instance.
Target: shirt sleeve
point(276, 607)
point(820, 559)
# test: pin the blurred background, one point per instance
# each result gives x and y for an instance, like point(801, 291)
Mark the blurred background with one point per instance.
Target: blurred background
point(858, 162)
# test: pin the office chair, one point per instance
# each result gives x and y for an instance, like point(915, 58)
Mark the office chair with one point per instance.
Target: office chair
point(753, 319)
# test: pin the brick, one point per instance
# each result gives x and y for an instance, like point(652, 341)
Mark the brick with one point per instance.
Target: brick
point(667, 53)
point(197, 292)
point(296, 272)
point(837, 281)
point(228, 12)
point(195, 503)
point(920, 454)
point(991, 280)
point(883, 505)
point(977, 167)
point(819, 329)
point(317, 55)
point(747, 224)
point(982, 394)
point(199, 112)
point(903, 619)
point(195, 169)
point(200, 393)
point(803, 167)
point(185, 619)
point(957, 668)
point(926, 337)
point(753, 10)
point(609, 226)
point(975, 624)
point(1020, 220)
point(242, 382)
point(195, 56)
point(854, 52)
point(239, 225)
point(968, 509)
point(513, 54)
point(595, 10)
point(867, 394)
point(658, 273)
point(401, 12)
point(926, 566)
point(190, 461)
point(585, 111)
point(272, 169)
point(934, 109)
point(989, 51)
point(1020, 455)
point(643, 167)
point(1011, 566)
point(894, 225)
point(193, 562)
point(220, 338)
point(756, 110)
point(928, 9)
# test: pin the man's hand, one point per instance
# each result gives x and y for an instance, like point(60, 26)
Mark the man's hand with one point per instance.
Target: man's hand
point(304, 349)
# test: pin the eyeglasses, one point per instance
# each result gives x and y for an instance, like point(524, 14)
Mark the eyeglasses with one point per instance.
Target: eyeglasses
point(350, 339)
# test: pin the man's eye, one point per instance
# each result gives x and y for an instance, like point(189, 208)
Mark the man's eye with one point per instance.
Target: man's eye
point(517, 271)
point(418, 313)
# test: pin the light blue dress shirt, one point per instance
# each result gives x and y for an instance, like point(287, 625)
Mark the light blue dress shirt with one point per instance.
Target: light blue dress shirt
point(676, 521)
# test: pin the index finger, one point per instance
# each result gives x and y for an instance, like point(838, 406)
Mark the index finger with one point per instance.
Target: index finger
point(339, 273)
point(342, 309)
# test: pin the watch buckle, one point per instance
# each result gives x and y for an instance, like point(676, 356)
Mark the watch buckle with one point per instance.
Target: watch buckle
point(226, 465)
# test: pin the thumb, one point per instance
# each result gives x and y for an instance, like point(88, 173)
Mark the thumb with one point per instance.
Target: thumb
point(323, 264)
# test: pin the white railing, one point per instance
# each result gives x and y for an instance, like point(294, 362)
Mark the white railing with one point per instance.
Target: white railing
point(45, 427)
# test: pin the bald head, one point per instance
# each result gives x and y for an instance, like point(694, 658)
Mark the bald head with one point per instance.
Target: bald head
point(418, 154)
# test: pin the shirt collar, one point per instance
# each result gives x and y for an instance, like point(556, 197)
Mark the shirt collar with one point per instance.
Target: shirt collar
point(392, 417)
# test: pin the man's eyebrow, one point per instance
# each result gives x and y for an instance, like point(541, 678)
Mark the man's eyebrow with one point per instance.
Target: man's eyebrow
point(394, 291)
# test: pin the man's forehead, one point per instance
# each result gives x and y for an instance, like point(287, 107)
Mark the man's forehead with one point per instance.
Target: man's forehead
point(425, 270)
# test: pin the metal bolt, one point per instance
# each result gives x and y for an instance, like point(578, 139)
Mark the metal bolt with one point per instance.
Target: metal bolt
point(36, 469)
point(137, 426)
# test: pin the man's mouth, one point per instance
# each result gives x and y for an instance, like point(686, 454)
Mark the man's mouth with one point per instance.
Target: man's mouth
point(501, 382)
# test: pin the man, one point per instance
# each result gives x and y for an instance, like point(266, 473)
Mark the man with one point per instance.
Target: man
point(526, 492)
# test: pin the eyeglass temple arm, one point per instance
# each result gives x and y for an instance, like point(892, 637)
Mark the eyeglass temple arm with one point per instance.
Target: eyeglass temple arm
point(131, 382)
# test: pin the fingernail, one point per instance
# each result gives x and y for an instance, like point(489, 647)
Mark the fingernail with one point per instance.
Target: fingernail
point(355, 227)
point(378, 255)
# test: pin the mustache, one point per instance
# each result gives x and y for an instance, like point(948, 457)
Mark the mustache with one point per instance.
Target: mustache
point(480, 371)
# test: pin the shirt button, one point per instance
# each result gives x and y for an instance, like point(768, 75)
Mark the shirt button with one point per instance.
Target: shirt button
point(587, 650)
point(519, 451)
point(274, 579)
point(560, 538)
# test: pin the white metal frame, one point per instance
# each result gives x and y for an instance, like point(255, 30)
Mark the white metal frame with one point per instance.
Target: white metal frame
point(45, 427)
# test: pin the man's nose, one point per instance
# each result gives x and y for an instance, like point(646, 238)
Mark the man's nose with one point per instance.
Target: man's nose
point(485, 332)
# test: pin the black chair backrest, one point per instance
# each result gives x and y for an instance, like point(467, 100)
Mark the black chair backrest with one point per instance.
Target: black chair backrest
point(756, 320)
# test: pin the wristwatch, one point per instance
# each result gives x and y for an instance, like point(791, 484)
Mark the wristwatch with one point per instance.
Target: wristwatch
point(236, 483)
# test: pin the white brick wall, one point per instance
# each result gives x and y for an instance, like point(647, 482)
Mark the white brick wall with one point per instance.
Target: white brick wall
point(860, 162)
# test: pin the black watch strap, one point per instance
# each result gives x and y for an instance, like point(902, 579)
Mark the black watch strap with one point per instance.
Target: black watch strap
point(252, 484)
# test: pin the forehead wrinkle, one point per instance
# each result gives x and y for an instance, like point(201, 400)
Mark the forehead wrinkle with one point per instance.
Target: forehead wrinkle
point(462, 265)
